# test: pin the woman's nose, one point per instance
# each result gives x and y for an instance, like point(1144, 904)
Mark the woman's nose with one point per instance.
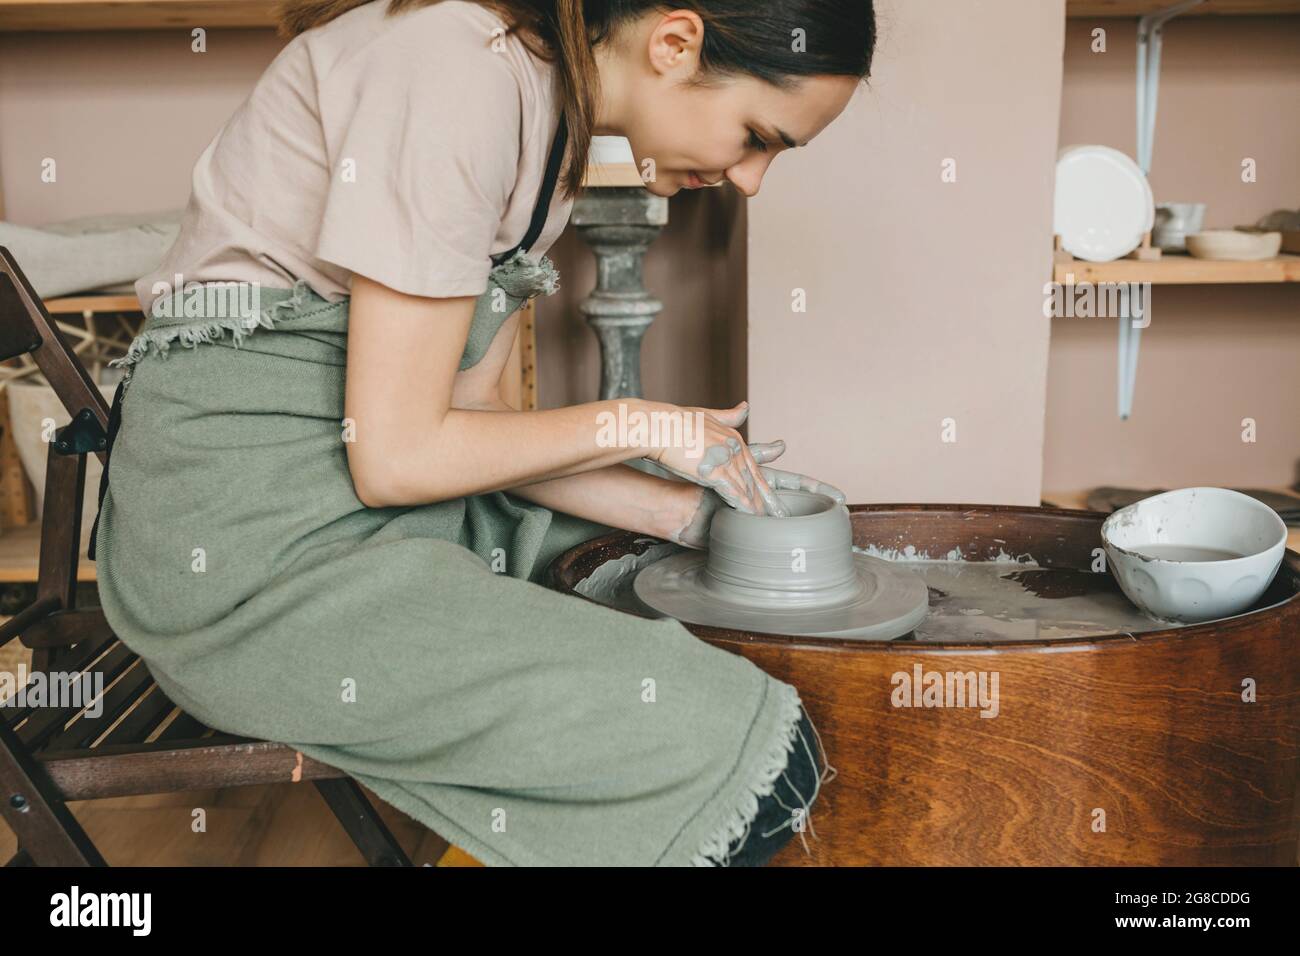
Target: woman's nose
point(747, 175)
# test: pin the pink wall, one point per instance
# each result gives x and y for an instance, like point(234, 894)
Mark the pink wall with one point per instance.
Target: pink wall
point(1213, 355)
point(924, 297)
point(124, 115)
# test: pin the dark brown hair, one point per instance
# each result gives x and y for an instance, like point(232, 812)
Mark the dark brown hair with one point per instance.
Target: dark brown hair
point(741, 37)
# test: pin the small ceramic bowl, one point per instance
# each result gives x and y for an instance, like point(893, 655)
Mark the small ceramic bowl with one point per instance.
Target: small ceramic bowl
point(1234, 245)
point(1196, 554)
point(1174, 222)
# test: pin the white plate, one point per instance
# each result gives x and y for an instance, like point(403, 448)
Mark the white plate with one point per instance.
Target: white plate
point(1103, 204)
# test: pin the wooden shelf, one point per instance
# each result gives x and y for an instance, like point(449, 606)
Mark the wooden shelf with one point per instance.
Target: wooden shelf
point(605, 175)
point(1180, 270)
point(65, 15)
point(1079, 500)
point(75, 305)
point(1081, 9)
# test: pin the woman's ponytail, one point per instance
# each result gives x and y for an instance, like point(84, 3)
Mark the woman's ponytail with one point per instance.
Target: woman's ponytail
point(580, 82)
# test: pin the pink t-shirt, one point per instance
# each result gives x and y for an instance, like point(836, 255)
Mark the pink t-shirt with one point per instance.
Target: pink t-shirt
point(406, 148)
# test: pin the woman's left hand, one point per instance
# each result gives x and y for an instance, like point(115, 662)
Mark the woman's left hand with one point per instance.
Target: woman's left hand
point(695, 532)
point(790, 481)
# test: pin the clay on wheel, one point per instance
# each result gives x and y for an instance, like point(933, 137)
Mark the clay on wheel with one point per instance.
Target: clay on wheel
point(792, 575)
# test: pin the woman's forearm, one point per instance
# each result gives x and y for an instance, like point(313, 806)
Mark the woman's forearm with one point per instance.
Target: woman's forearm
point(622, 497)
point(478, 451)
point(408, 442)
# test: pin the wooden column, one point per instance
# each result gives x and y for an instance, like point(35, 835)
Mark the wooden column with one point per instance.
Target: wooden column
point(619, 224)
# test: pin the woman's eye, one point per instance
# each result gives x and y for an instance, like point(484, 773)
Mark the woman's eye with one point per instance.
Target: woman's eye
point(757, 142)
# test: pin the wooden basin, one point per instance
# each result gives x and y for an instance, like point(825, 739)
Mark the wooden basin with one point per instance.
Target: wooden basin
point(1173, 747)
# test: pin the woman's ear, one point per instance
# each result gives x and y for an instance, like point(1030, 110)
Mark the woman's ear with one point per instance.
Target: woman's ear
point(674, 43)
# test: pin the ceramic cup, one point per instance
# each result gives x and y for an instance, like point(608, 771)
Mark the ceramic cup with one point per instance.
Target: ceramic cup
point(804, 559)
point(1175, 221)
point(1196, 554)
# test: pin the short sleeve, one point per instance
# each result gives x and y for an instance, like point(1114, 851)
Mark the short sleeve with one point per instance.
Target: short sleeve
point(422, 134)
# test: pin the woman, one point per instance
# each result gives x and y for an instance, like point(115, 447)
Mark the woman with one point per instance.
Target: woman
point(327, 528)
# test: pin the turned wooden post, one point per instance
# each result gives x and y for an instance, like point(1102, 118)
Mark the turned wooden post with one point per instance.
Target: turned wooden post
point(619, 223)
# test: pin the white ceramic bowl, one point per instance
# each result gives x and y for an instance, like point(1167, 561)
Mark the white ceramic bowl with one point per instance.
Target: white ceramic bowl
point(1174, 222)
point(1196, 554)
point(1234, 245)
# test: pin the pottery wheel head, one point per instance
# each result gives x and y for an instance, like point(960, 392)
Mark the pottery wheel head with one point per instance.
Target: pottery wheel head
point(792, 575)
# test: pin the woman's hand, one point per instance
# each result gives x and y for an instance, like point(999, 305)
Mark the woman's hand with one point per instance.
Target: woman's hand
point(716, 457)
point(790, 481)
point(695, 532)
point(705, 502)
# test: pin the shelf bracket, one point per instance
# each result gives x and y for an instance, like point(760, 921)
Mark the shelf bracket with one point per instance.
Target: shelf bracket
point(1150, 38)
point(1134, 316)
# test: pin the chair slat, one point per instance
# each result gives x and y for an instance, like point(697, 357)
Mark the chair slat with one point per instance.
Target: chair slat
point(136, 726)
point(184, 727)
point(118, 699)
point(80, 656)
point(47, 721)
point(76, 659)
point(169, 767)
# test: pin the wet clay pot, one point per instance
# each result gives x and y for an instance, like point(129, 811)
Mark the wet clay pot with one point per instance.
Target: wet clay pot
point(796, 574)
point(1166, 746)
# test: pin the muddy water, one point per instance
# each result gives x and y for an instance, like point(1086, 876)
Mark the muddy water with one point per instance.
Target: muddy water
point(970, 601)
point(1181, 552)
point(1019, 601)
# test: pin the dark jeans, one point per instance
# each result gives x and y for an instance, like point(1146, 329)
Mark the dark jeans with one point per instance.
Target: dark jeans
point(794, 789)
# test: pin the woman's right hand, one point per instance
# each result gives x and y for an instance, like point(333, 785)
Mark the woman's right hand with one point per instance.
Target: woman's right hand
point(715, 456)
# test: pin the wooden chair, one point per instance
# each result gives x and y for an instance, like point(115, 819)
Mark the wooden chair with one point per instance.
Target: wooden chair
point(141, 743)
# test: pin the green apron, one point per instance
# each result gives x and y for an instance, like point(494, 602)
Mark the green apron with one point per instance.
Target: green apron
point(411, 647)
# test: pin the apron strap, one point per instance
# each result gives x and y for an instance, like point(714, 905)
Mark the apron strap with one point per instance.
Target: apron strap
point(114, 423)
point(544, 197)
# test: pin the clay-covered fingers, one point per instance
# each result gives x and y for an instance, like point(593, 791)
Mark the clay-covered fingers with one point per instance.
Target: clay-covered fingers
point(720, 460)
point(789, 481)
point(765, 451)
point(733, 480)
point(714, 462)
point(731, 417)
point(771, 504)
point(695, 532)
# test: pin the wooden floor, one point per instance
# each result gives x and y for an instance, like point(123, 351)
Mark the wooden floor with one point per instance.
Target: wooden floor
point(283, 824)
